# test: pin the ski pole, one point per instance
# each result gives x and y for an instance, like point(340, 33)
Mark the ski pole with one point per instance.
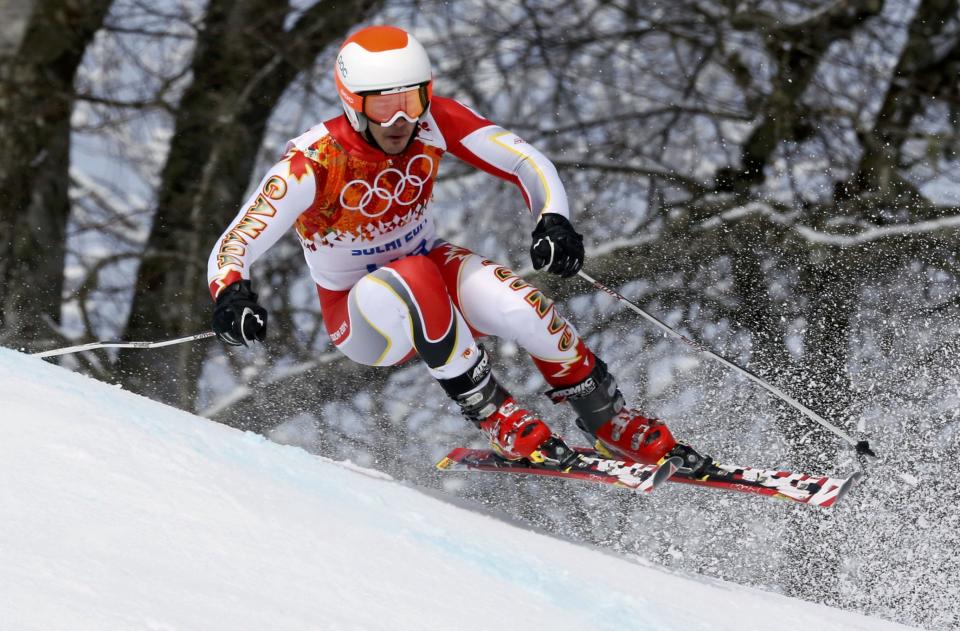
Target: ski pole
point(119, 344)
point(862, 447)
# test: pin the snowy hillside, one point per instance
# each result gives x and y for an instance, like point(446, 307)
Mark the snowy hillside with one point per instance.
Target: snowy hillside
point(120, 513)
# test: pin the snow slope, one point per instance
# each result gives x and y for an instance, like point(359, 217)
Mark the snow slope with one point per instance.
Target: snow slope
point(120, 513)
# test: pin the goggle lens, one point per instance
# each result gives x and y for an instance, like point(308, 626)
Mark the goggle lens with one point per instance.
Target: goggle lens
point(384, 109)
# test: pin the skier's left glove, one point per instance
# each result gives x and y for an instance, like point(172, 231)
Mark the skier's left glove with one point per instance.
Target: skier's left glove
point(556, 246)
point(238, 319)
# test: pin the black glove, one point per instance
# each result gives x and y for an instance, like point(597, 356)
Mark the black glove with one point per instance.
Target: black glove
point(237, 318)
point(556, 246)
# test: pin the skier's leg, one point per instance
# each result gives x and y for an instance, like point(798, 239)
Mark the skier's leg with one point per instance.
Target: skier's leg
point(497, 302)
point(602, 413)
point(403, 309)
point(396, 312)
point(513, 431)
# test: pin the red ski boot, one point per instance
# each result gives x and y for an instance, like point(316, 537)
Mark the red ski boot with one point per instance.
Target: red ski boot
point(636, 437)
point(515, 433)
point(648, 441)
point(620, 431)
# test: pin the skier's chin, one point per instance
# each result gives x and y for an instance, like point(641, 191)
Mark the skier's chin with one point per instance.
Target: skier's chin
point(394, 146)
point(395, 138)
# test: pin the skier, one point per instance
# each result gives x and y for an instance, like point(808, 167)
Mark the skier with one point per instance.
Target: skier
point(357, 189)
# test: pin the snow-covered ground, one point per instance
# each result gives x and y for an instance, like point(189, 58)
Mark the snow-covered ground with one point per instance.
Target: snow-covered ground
point(120, 513)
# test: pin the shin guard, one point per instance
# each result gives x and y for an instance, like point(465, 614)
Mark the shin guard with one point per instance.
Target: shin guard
point(596, 399)
point(477, 391)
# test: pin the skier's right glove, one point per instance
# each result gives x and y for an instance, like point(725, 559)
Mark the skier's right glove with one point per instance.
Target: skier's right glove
point(237, 318)
point(556, 246)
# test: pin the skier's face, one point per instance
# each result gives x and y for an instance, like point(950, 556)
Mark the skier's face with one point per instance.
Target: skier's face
point(394, 138)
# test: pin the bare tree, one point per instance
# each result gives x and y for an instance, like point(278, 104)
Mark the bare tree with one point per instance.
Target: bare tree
point(41, 46)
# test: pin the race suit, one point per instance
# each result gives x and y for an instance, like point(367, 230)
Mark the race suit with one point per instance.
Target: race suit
point(389, 288)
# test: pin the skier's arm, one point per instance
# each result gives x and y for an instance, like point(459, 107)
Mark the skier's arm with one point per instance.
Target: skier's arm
point(495, 150)
point(556, 246)
point(284, 193)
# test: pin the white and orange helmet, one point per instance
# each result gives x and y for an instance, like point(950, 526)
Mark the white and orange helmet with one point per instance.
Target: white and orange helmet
point(383, 74)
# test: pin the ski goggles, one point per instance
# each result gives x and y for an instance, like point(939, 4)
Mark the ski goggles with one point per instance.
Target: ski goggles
point(385, 108)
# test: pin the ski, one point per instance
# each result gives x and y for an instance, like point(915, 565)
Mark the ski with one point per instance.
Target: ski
point(590, 467)
point(814, 490)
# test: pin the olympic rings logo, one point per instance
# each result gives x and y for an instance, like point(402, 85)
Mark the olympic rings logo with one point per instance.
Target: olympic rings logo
point(380, 194)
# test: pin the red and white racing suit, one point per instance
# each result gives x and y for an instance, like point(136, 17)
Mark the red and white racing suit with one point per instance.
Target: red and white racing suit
point(388, 287)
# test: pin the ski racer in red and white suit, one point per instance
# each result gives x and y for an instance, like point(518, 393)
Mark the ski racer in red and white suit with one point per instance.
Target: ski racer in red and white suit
point(391, 289)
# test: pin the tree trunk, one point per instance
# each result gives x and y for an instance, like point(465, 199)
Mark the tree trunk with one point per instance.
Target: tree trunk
point(41, 47)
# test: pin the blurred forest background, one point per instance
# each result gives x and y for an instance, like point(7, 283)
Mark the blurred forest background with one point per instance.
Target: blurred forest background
point(779, 179)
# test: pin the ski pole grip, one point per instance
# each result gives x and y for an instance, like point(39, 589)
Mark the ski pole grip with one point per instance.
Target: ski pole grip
point(863, 448)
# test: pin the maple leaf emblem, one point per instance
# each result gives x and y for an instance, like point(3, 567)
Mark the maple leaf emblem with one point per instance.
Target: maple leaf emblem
point(298, 165)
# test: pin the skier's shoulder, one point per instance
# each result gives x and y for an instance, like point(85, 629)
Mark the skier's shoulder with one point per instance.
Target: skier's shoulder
point(309, 139)
point(455, 118)
point(325, 145)
point(295, 162)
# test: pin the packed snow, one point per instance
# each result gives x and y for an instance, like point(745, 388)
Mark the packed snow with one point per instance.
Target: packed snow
point(122, 513)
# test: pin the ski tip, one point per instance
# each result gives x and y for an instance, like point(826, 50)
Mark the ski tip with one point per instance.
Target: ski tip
point(452, 459)
point(849, 484)
point(666, 469)
point(445, 464)
point(834, 497)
